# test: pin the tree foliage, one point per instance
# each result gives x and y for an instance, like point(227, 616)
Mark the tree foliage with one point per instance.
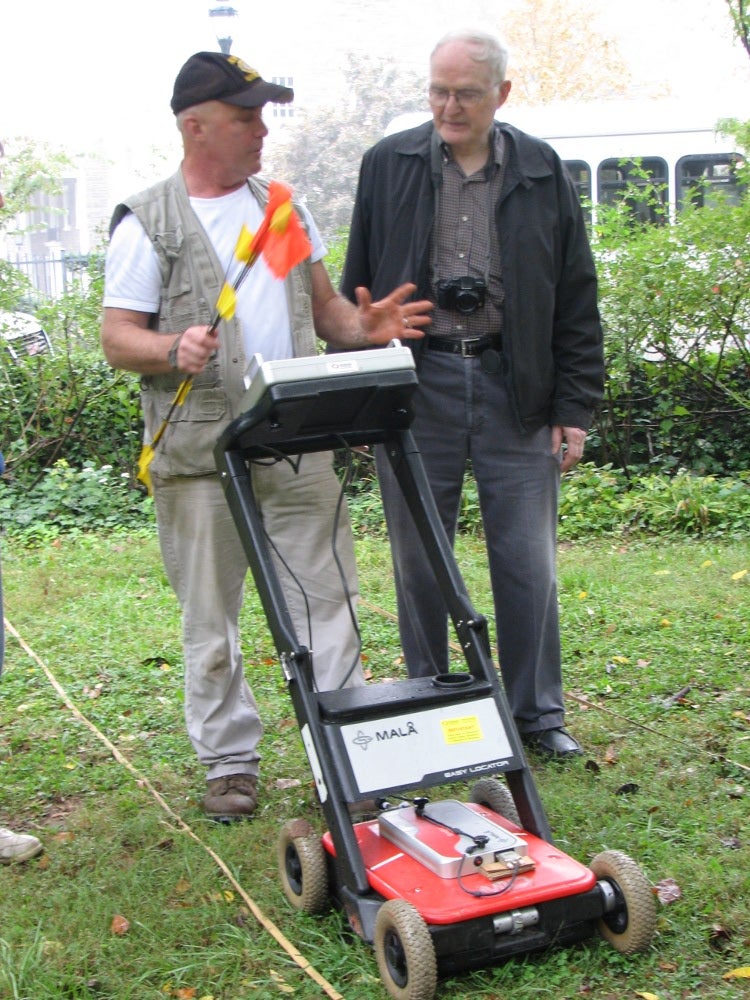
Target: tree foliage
point(321, 159)
point(29, 168)
point(556, 55)
point(739, 11)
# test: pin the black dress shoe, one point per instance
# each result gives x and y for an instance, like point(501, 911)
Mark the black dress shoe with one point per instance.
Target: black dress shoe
point(553, 743)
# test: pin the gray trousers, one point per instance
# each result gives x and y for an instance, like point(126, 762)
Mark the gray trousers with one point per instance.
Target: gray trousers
point(463, 413)
point(206, 566)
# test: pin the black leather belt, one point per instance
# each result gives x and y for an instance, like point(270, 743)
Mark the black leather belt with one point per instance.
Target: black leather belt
point(470, 348)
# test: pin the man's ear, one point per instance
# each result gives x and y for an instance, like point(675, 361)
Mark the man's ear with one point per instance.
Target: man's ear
point(504, 91)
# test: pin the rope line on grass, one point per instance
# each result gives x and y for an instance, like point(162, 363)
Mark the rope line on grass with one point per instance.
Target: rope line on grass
point(299, 959)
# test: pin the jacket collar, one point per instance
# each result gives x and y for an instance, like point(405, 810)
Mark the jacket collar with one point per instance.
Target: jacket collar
point(526, 153)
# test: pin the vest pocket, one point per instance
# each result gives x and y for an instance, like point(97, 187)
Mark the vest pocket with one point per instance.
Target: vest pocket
point(186, 448)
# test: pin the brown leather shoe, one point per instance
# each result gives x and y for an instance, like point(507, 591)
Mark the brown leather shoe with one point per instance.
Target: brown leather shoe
point(231, 797)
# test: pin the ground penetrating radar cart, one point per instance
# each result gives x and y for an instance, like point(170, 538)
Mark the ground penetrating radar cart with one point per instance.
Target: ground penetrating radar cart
point(436, 886)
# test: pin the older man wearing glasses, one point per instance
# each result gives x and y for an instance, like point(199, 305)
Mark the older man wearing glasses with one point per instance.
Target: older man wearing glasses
point(486, 222)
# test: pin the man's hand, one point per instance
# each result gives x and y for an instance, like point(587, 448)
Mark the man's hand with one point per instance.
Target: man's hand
point(574, 439)
point(195, 347)
point(392, 318)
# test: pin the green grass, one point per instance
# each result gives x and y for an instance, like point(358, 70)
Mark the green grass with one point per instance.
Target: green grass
point(657, 650)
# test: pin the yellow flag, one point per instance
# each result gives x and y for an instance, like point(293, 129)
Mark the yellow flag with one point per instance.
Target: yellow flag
point(144, 476)
point(280, 218)
point(244, 245)
point(227, 302)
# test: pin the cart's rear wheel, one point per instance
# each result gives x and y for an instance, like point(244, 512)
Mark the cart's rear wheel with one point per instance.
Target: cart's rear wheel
point(496, 796)
point(302, 866)
point(630, 926)
point(405, 952)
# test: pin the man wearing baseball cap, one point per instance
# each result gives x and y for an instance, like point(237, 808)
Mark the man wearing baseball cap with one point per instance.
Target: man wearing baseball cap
point(171, 250)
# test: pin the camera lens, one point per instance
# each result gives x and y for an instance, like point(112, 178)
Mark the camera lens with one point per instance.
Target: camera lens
point(466, 302)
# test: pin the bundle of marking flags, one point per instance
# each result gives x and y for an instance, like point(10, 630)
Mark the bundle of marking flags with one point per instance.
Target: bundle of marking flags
point(283, 243)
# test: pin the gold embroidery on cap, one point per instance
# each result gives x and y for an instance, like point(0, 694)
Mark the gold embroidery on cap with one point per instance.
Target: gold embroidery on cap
point(249, 73)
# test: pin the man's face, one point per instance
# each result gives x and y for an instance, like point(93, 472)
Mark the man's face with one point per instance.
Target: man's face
point(454, 76)
point(233, 138)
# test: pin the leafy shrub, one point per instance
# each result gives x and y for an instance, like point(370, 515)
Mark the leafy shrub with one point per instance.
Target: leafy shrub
point(675, 300)
point(67, 500)
point(68, 406)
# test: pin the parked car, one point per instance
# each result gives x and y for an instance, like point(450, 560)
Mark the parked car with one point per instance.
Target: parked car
point(23, 334)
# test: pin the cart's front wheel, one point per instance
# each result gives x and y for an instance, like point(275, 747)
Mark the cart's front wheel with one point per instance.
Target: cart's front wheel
point(496, 796)
point(629, 925)
point(405, 952)
point(302, 866)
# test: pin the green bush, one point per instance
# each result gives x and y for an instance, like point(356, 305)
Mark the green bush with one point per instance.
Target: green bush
point(66, 500)
point(603, 501)
point(68, 406)
point(675, 301)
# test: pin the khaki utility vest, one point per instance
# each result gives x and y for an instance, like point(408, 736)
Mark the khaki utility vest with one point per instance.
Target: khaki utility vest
point(192, 279)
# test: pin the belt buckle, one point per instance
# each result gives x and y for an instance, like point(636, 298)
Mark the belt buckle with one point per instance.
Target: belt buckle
point(467, 347)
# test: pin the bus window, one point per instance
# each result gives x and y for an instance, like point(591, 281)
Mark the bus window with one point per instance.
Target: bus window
point(581, 174)
point(615, 176)
point(705, 179)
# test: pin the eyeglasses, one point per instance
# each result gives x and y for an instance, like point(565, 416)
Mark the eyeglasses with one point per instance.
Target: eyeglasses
point(439, 96)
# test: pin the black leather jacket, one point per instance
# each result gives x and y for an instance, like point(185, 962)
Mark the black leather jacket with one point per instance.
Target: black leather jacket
point(552, 336)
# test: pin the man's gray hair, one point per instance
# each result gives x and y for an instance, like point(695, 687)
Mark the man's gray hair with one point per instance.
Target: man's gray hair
point(489, 49)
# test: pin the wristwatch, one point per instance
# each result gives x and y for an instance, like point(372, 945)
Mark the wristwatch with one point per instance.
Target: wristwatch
point(172, 356)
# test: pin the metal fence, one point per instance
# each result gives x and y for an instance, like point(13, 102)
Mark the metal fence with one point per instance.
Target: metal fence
point(55, 275)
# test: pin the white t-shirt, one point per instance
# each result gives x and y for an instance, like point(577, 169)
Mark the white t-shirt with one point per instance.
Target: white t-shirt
point(133, 276)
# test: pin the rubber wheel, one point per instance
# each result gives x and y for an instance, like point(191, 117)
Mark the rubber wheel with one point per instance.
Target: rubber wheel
point(630, 926)
point(405, 952)
point(496, 796)
point(302, 866)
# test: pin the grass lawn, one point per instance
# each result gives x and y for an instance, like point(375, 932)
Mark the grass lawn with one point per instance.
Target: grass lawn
point(137, 896)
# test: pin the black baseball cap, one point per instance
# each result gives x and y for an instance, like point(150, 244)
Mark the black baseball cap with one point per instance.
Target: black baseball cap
point(214, 76)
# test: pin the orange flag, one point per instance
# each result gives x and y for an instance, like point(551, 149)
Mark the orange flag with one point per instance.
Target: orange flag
point(286, 243)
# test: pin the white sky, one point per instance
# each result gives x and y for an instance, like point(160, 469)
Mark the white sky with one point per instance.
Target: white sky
point(97, 75)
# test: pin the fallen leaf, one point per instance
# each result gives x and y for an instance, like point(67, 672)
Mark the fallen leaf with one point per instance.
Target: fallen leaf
point(287, 783)
point(741, 973)
point(280, 984)
point(629, 788)
point(739, 575)
point(733, 843)
point(668, 891)
point(120, 925)
point(646, 996)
